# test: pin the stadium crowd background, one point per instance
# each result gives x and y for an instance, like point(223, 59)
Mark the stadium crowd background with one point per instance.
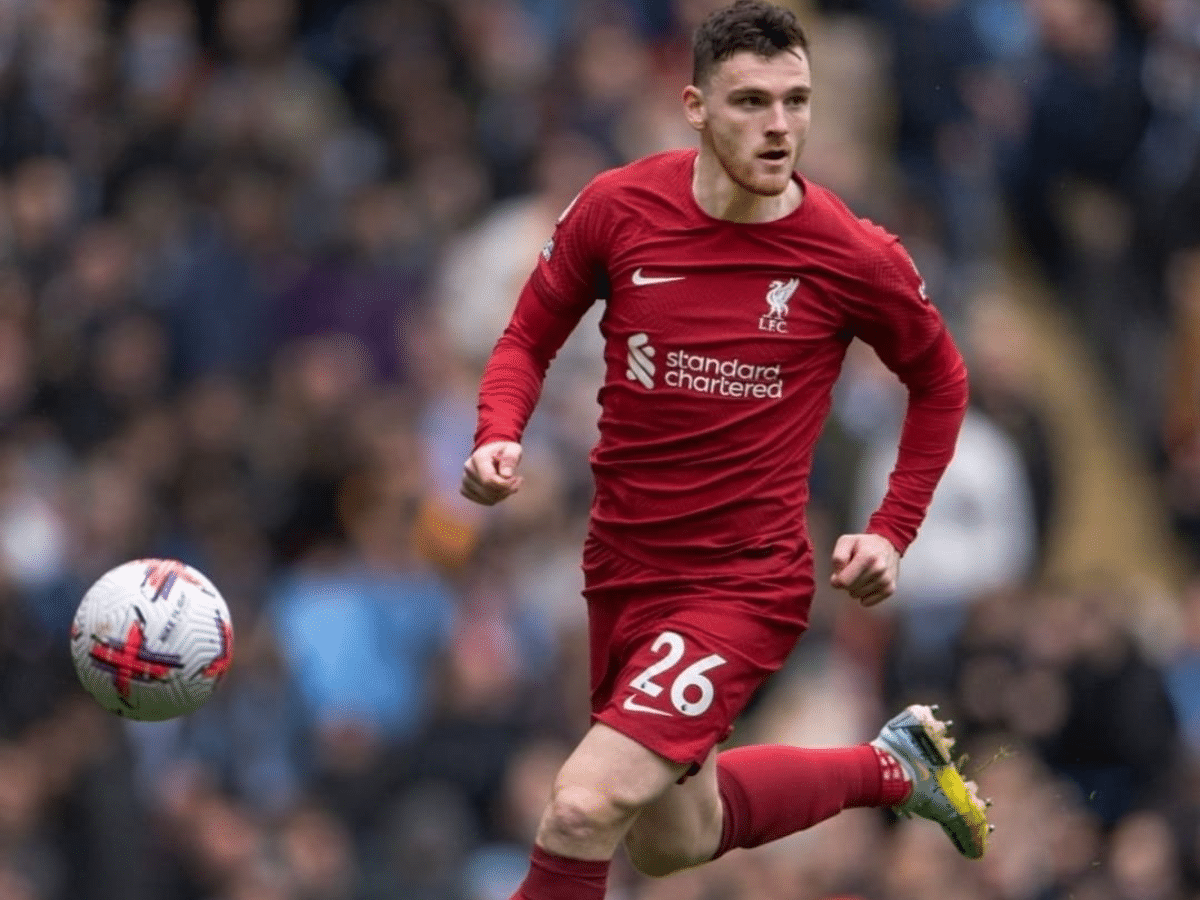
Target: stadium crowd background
point(252, 256)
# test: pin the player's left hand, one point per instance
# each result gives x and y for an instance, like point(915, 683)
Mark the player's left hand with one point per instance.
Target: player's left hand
point(866, 567)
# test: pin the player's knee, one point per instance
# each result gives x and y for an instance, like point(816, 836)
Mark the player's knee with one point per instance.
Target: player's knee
point(582, 817)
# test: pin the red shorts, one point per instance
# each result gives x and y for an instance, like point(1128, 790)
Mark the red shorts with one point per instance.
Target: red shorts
point(675, 660)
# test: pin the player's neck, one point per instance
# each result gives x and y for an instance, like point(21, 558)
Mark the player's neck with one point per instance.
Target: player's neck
point(723, 198)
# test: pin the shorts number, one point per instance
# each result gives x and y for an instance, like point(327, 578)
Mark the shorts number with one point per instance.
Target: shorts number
point(691, 677)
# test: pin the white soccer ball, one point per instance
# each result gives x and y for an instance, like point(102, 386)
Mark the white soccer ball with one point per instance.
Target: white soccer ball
point(151, 639)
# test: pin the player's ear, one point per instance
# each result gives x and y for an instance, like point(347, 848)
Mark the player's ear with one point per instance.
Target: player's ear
point(693, 106)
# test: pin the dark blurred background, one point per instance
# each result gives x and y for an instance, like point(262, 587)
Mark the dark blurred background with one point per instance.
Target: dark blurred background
point(253, 254)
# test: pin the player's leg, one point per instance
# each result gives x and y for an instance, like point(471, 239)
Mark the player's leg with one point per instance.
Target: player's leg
point(681, 828)
point(600, 790)
point(672, 671)
point(674, 688)
point(602, 787)
point(753, 795)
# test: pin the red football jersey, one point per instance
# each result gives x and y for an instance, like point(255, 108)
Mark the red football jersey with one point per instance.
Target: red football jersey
point(722, 345)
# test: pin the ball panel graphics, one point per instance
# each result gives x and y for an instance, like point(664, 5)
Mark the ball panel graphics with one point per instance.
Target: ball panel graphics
point(151, 639)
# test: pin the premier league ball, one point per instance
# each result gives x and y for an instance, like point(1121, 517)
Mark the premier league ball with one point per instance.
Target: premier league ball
point(151, 639)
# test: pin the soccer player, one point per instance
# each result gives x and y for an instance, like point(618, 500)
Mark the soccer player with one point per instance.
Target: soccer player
point(733, 286)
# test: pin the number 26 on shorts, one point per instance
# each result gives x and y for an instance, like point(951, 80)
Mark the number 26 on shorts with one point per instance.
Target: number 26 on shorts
point(687, 683)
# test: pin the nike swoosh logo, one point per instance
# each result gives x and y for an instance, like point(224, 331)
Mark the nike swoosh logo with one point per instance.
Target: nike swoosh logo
point(642, 280)
point(633, 706)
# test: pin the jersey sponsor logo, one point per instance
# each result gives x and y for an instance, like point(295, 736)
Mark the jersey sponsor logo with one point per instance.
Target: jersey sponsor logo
point(778, 295)
point(548, 249)
point(633, 706)
point(723, 377)
point(702, 374)
point(641, 280)
point(640, 360)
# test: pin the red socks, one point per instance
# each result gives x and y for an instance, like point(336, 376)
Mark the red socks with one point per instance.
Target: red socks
point(558, 878)
point(768, 792)
point(772, 791)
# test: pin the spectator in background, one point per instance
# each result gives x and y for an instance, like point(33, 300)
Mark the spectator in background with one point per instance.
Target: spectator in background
point(1104, 720)
point(1143, 858)
point(236, 261)
point(362, 628)
point(160, 65)
point(1004, 387)
point(1087, 115)
point(1120, 741)
point(43, 210)
point(1070, 180)
point(367, 285)
point(1183, 667)
point(1181, 417)
point(1166, 188)
point(483, 268)
point(267, 98)
point(942, 70)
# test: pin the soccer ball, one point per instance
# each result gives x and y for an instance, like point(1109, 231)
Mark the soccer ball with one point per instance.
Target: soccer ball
point(151, 639)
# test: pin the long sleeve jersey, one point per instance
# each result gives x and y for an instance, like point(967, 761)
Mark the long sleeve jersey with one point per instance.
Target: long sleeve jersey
point(723, 342)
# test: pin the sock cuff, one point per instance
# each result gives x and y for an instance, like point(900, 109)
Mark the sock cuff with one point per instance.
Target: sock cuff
point(895, 784)
point(552, 864)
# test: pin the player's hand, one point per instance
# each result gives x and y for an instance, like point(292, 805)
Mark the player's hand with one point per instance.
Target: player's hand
point(490, 473)
point(866, 567)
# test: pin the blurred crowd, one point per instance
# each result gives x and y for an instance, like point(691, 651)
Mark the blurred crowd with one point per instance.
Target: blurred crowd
point(253, 254)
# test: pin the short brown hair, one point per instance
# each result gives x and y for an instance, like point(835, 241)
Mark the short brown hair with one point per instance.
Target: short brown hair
point(755, 25)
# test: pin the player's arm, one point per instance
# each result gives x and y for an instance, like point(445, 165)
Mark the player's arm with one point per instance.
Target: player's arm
point(508, 392)
point(911, 338)
point(936, 381)
point(559, 291)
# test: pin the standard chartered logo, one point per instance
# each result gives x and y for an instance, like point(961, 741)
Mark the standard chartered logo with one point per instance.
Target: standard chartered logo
point(702, 374)
point(640, 361)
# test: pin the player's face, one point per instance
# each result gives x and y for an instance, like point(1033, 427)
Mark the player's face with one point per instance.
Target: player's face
point(754, 116)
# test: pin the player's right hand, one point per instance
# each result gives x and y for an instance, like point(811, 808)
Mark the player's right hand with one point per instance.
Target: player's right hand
point(490, 473)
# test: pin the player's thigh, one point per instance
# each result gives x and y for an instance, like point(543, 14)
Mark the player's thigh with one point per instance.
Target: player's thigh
point(612, 766)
